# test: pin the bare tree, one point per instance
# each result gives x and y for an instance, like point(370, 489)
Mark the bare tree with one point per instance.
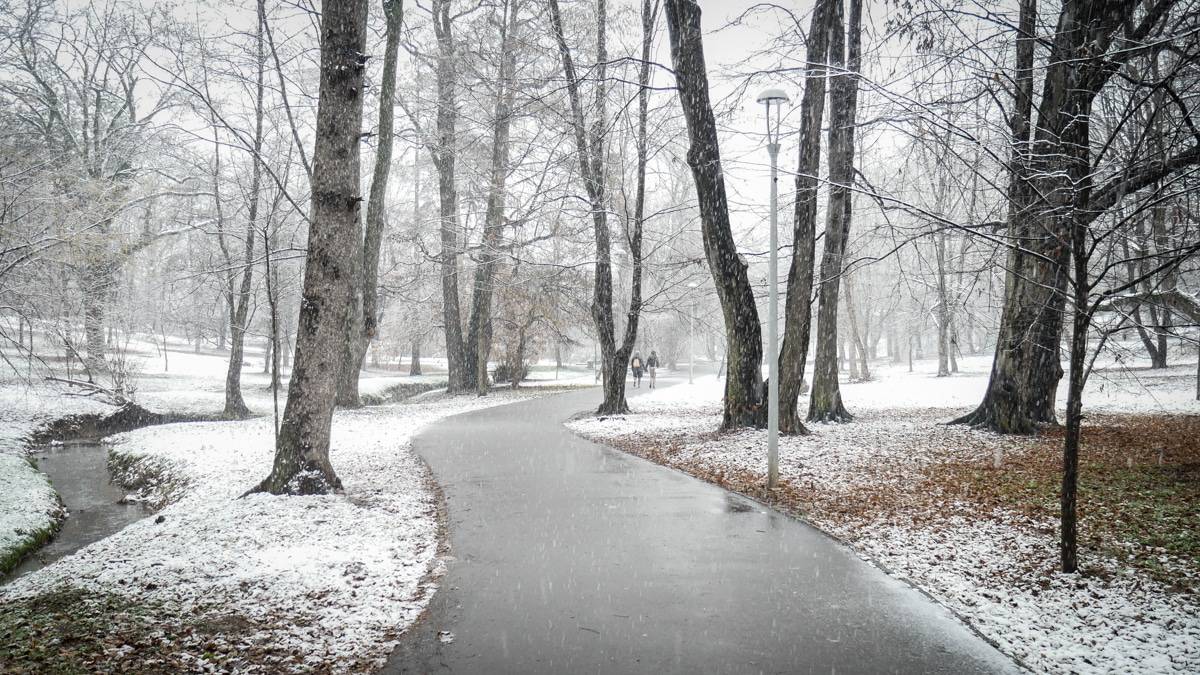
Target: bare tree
point(1091, 43)
point(302, 463)
point(591, 153)
point(744, 396)
point(364, 295)
point(825, 404)
point(478, 344)
point(793, 355)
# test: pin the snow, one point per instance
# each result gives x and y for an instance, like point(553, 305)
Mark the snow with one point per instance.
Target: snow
point(992, 569)
point(335, 577)
point(28, 504)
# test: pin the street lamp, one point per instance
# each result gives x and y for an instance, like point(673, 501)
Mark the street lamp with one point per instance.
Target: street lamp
point(691, 332)
point(777, 98)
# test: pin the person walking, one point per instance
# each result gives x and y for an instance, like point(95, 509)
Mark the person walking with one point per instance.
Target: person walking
point(652, 367)
point(636, 365)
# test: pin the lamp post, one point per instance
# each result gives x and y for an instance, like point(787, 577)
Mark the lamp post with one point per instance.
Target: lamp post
point(776, 98)
point(691, 332)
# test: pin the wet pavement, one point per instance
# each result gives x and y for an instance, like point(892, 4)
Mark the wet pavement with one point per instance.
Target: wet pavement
point(79, 473)
point(569, 557)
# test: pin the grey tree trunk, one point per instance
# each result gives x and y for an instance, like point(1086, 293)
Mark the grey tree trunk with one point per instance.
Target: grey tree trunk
point(445, 158)
point(239, 302)
point(302, 448)
point(414, 366)
point(1026, 369)
point(858, 345)
point(364, 298)
point(590, 150)
point(825, 404)
point(478, 345)
point(939, 242)
point(793, 355)
point(99, 279)
point(745, 400)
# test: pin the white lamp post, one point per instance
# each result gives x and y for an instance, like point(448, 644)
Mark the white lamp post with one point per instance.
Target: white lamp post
point(776, 98)
point(691, 332)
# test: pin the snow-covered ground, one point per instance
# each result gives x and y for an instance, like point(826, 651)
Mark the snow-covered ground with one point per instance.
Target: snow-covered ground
point(29, 507)
point(303, 582)
point(871, 483)
point(320, 580)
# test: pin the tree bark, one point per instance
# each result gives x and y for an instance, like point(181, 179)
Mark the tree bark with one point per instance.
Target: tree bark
point(943, 336)
point(1044, 188)
point(858, 345)
point(239, 303)
point(302, 447)
point(1081, 319)
point(591, 154)
point(478, 345)
point(99, 278)
point(364, 296)
point(445, 157)
point(825, 404)
point(793, 355)
point(745, 403)
point(414, 366)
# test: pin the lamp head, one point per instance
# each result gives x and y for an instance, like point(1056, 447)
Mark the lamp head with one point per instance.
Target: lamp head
point(773, 96)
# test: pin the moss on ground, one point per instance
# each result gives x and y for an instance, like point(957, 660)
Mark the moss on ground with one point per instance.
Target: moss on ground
point(1139, 489)
point(11, 557)
point(69, 630)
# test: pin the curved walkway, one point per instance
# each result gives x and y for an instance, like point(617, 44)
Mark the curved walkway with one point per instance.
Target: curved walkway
point(570, 557)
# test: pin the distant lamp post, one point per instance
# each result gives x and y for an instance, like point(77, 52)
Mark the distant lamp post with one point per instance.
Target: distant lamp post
point(691, 331)
point(773, 98)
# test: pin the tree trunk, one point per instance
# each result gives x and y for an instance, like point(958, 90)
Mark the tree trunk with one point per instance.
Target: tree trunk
point(793, 355)
point(99, 278)
point(445, 157)
point(943, 336)
point(364, 296)
point(1081, 320)
point(414, 368)
point(953, 348)
point(857, 344)
point(1043, 187)
point(235, 405)
point(825, 404)
point(302, 448)
point(478, 345)
point(744, 394)
point(591, 154)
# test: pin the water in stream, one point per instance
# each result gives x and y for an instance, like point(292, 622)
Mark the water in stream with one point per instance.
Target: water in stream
point(79, 472)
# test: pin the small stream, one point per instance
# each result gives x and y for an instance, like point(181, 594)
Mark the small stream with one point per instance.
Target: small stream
point(79, 472)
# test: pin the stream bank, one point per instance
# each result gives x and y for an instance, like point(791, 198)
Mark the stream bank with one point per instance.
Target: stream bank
point(96, 508)
point(69, 451)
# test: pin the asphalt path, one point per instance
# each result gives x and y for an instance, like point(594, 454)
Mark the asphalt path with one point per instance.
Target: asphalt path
point(571, 557)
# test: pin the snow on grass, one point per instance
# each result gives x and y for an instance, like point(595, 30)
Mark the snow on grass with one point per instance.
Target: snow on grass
point(185, 383)
point(335, 578)
point(1109, 621)
point(29, 507)
point(869, 483)
point(24, 406)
